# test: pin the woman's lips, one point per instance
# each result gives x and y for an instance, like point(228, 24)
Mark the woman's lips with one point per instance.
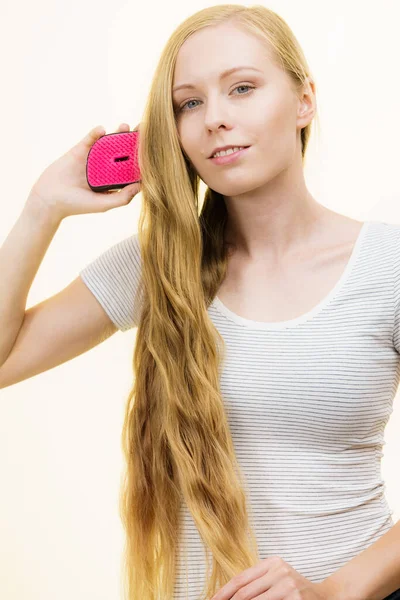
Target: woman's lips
point(229, 158)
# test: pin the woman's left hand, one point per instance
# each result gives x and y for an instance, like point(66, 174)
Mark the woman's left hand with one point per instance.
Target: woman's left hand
point(271, 579)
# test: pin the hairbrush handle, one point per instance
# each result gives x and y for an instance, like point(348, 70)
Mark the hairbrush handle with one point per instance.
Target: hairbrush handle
point(112, 162)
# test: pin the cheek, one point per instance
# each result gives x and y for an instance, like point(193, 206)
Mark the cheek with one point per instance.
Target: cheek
point(277, 131)
point(190, 146)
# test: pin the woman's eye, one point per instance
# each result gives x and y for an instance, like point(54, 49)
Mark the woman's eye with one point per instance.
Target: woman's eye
point(251, 87)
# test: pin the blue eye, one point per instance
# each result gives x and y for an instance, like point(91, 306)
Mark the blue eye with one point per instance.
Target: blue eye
point(182, 108)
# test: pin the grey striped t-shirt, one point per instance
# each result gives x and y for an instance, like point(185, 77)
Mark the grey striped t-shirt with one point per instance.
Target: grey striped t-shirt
point(307, 402)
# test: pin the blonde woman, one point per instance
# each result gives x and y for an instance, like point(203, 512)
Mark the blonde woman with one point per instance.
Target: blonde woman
point(268, 340)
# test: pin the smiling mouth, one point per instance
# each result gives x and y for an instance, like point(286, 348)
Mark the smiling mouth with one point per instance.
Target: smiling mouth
point(222, 155)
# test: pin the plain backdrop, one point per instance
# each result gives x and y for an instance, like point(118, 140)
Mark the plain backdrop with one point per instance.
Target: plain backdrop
point(65, 68)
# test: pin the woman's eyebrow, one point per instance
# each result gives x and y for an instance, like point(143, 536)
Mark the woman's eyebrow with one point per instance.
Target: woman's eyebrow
point(223, 74)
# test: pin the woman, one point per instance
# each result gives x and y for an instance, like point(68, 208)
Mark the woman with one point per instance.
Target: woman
point(268, 332)
point(291, 291)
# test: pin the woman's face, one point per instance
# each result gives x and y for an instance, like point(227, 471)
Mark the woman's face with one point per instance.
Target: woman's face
point(254, 107)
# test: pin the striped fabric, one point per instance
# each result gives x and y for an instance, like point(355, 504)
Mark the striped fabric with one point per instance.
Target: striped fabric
point(307, 401)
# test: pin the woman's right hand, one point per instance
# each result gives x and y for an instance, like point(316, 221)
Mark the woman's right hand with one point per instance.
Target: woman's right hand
point(63, 187)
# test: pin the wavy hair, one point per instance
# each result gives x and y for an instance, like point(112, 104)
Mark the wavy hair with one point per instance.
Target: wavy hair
point(176, 438)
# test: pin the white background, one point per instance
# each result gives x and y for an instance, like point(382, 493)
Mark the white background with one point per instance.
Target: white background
point(65, 68)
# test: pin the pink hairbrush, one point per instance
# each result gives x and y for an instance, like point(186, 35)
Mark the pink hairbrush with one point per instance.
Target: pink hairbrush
point(112, 162)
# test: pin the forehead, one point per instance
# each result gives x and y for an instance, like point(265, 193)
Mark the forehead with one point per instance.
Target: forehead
point(212, 50)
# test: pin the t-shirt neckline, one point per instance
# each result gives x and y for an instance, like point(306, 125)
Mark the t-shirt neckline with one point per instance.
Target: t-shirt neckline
point(311, 313)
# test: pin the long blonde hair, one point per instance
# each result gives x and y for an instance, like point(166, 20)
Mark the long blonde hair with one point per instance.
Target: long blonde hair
point(176, 438)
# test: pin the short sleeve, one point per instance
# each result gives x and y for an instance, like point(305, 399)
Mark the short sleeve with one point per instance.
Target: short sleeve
point(114, 278)
point(396, 275)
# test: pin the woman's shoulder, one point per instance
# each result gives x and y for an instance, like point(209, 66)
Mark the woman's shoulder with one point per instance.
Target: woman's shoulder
point(114, 277)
